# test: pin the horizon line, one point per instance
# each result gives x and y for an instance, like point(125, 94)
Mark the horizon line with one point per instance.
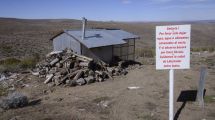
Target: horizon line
point(134, 21)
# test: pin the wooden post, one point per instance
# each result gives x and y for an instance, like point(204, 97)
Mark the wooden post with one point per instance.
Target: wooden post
point(200, 92)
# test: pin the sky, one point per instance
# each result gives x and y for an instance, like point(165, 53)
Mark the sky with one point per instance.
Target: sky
point(110, 10)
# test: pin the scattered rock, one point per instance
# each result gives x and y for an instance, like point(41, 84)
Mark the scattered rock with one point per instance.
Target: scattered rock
point(81, 81)
point(2, 77)
point(14, 100)
point(104, 103)
point(58, 99)
point(133, 88)
point(90, 79)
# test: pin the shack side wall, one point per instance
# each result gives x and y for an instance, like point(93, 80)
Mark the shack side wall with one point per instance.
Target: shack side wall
point(64, 41)
point(125, 51)
point(103, 53)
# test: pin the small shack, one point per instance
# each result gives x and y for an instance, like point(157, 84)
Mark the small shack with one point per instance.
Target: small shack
point(105, 44)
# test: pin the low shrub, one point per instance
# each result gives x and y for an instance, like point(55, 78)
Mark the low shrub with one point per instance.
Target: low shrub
point(3, 91)
point(195, 49)
point(10, 61)
point(202, 49)
point(211, 49)
point(9, 64)
point(28, 63)
point(6, 49)
point(14, 64)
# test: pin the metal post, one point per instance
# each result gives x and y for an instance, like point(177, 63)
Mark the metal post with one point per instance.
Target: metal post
point(134, 51)
point(84, 22)
point(171, 94)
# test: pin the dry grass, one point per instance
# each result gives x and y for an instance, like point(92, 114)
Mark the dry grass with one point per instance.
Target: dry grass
point(14, 64)
point(209, 98)
point(3, 91)
point(27, 37)
point(202, 49)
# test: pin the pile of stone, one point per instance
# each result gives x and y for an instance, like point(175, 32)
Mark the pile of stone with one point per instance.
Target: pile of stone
point(13, 100)
point(68, 68)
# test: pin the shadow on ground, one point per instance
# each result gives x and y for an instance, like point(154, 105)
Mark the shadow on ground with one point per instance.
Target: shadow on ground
point(184, 97)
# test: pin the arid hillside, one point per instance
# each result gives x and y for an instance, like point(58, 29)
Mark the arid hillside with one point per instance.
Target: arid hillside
point(22, 37)
point(69, 86)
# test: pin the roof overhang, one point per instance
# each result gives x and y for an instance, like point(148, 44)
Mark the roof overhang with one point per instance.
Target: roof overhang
point(58, 33)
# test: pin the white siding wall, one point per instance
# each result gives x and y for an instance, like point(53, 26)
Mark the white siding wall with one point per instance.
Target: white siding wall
point(64, 41)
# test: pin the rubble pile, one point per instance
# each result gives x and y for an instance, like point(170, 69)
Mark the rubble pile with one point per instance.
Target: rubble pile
point(14, 100)
point(68, 68)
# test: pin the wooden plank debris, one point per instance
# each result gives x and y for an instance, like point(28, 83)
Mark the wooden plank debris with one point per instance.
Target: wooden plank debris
point(67, 67)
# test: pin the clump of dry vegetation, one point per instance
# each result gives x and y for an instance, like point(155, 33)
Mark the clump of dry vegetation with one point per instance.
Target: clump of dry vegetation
point(209, 98)
point(14, 64)
point(3, 91)
point(20, 37)
point(202, 49)
point(9, 64)
point(6, 49)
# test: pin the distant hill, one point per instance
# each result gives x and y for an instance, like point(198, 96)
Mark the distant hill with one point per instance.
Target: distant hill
point(25, 37)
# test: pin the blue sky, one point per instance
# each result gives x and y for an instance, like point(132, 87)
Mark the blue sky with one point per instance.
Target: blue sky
point(106, 10)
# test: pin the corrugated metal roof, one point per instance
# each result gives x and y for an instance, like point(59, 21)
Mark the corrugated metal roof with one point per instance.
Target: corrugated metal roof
point(121, 34)
point(101, 37)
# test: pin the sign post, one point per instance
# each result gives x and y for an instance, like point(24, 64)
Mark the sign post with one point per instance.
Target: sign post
point(171, 94)
point(172, 52)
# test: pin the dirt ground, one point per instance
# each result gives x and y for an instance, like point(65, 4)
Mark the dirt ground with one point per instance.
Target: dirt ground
point(112, 100)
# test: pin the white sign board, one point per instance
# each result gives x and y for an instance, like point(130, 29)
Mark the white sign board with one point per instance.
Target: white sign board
point(173, 47)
